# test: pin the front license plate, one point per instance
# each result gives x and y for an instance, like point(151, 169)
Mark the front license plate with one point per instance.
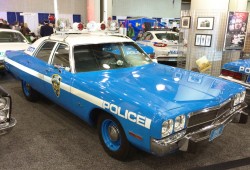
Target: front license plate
point(216, 132)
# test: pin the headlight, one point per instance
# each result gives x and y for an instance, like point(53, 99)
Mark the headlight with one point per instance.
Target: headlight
point(237, 99)
point(179, 123)
point(167, 127)
point(242, 96)
point(4, 109)
point(3, 103)
point(3, 116)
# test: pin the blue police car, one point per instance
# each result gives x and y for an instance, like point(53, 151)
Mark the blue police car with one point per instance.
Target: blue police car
point(110, 82)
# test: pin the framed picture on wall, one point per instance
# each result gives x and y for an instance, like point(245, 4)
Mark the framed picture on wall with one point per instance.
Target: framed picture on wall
point(236, 32)
point(208, 40)
point(203, 40)
point(197, 40)
point(205, 23)
point(185, 21)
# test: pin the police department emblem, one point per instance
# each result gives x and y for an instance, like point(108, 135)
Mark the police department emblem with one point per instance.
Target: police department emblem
point(56, 80)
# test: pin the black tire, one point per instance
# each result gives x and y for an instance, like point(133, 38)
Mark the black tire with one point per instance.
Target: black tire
point(2, 73)
point(243, 118)
point(29, 93)
point(117, 148)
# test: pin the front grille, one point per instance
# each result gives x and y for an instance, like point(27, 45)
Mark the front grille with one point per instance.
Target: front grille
point(206, 117)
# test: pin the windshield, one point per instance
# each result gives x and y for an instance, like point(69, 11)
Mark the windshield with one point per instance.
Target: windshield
point(10, 37)
point(108, 56)
point(167, 36)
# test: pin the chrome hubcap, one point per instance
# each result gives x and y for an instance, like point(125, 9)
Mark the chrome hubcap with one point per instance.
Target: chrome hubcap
point(113, 133)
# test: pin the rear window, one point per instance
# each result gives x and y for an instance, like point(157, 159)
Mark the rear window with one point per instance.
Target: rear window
point(167, 36)
point(10, 37)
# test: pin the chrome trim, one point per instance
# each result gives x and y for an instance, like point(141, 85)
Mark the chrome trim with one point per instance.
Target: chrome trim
point(166, 145)
point(209, 108)
point(7, 126)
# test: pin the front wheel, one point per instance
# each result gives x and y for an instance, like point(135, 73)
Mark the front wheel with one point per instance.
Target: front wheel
point(112, 137)
point(29, 93)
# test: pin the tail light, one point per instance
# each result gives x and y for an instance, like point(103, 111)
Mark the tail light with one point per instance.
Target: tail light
point(232, 74)
point(237, 76)
point(160, 45)
point(225, 72)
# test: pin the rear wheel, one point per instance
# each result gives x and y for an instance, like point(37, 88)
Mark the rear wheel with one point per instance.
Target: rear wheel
point(29, 93)
point(112, 137)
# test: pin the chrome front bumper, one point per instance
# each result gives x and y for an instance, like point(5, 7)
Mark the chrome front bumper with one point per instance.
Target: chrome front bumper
point(7, 127)
point(180, 140)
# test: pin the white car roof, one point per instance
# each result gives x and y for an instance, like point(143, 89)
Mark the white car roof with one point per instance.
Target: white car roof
point(153, 32)
point(85, 38)
point(79, 39)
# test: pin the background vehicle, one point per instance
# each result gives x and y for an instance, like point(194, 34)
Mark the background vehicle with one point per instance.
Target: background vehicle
point(165, 44)
point(6, 121)
point(11, 40)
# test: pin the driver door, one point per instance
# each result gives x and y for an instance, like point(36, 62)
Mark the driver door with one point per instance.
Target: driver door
point(58, 74)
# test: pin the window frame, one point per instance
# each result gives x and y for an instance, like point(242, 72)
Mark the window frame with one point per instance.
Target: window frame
point(40, 47)
point(54, 52)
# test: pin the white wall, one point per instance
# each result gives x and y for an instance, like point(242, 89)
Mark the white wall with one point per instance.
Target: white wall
point(209, 4)
point(238, 5)
point(46, 6)
point(148, 8)
point(185, 6)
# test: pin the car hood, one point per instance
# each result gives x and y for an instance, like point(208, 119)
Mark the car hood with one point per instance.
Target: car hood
point(163, 88)
point(236, 65)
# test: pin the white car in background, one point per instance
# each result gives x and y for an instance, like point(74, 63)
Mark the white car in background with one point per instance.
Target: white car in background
point(165, 44)
point(11, 40)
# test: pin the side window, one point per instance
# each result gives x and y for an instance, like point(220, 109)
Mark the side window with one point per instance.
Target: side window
point(61, 57)
point(45, 51)
point(85, 59)
point(144, 36)
point(148, 37)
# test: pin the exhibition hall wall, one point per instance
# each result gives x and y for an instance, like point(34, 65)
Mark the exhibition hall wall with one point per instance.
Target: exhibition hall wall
point(147, 8)
point(45, 6)
point(34, 12)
